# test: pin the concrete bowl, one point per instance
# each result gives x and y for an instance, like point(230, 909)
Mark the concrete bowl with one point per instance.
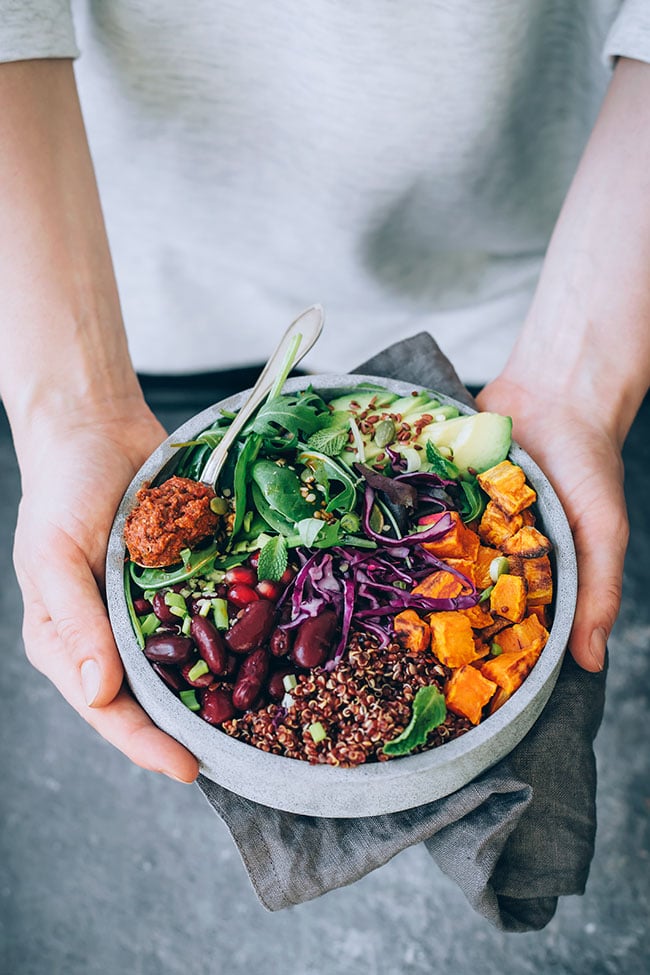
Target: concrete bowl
point(323, 790)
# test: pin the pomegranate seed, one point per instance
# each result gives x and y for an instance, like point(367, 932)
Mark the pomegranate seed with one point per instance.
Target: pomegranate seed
point(269, 590)
point(241, 595)
point(241, 574)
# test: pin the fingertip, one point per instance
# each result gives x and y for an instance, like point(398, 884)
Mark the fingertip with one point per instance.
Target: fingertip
point(100, 685)
point(589, 652)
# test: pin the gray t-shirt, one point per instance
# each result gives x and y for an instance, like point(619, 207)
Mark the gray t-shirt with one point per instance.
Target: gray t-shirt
point(403, 163)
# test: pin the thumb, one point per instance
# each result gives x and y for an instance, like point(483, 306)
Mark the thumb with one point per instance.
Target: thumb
point(601, 542)
point(84, 662)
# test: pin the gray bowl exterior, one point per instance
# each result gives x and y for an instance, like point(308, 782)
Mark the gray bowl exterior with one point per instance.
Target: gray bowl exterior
point(324, 790)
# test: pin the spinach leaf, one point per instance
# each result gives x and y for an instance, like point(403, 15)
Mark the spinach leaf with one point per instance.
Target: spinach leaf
point(429, 711)
point(199, 561)
point(473, 502)
point(280, 488)
point(273, 518)
point(245, 459)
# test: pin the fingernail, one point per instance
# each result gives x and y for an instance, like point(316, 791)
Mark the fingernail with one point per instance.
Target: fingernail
point(598, 646)
point(170, 775)
point(90, 680)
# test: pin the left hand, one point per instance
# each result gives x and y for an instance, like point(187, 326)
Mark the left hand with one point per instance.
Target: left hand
point(582, 459)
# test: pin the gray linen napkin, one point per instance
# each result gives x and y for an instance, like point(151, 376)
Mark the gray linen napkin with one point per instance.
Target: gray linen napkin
point(514, 840)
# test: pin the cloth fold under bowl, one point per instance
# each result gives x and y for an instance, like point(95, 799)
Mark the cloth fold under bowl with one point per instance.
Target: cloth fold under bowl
point(514, 840)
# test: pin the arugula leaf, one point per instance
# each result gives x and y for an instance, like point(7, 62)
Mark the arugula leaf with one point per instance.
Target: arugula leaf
point(440, 465)
point(298, 413)
point(273, 559)
point(429, 711)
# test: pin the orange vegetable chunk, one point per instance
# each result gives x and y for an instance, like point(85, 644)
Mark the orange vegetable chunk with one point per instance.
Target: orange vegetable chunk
point(506, 484)
point(467, 693)
point(496, 525)
point(459, 542)
point(482, 566)
point(413, 633)
point(527, 542)
point(509, 670)
point(508, 598)
point(539, 580)
point(439, 585)
point(477, 617)
point(452, 639)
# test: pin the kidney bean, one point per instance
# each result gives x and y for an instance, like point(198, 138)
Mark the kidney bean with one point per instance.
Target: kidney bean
point(287, 576)
point(255, 665)
point(254, 559)
point(314, 640)
point(269, 590)
point(166, 648)
point(233, 661)
point(142, 606)
point(252, 628)
point(241, 573)
point(275, 684)
point(162, 610)
point(245, 692)
point(210, 644)
point(203, 681)
point(280, 642)
point(241, 595)
point(171, 676)
point(216, 706)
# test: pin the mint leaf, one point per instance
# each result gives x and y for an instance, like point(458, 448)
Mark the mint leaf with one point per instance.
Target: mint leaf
point(330, 441)
point(273, 559)
point(429, 711)
point(440, 465)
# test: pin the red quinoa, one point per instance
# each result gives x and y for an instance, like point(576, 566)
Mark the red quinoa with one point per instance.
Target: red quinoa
point(364, 702)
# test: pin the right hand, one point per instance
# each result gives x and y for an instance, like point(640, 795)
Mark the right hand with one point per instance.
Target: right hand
point(74, 472)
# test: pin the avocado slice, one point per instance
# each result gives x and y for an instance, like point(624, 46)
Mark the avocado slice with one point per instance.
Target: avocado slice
point(363, 397)
point(476, 442)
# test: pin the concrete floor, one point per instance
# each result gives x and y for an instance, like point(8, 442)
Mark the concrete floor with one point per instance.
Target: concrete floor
point(106, 869)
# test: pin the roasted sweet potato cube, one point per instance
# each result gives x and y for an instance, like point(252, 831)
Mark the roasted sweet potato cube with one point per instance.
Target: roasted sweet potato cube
point(412, 632)
point(506, 484)
point(459, 542)
point(484, 559)
point(539, 580)
point(541, 613)
point(464, 566)
point(452, 639)
point(531, 634)
point(467, 692)
point(509, 670)
point(527, 542)
point(498, 699)
point(508, 598)
point(496, 525)
point(477, 616)
point(507, 640)
point(439, 585)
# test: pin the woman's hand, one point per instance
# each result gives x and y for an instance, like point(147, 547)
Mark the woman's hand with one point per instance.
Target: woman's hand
point(583, 462)
point(74, 474)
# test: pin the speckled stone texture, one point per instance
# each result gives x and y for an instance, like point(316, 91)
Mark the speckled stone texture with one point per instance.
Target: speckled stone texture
point(105, 868)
